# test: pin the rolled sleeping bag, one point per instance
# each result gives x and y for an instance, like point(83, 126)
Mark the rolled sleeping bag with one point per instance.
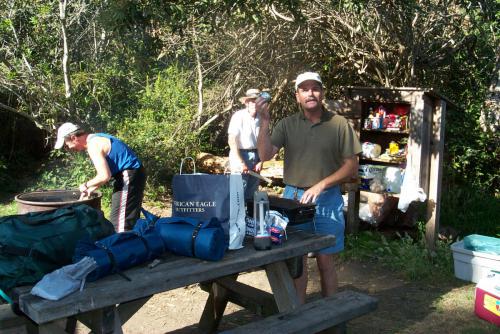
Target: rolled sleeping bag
point(145, 229)
point(154, 243)
point(101, 257)
point(118, 252)
point(192, 237)
point(126, 249)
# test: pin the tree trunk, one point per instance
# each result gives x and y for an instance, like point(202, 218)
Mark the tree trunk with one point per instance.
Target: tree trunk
point(67, 79)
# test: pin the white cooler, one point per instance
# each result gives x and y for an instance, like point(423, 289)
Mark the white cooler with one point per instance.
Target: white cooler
point(472, 265)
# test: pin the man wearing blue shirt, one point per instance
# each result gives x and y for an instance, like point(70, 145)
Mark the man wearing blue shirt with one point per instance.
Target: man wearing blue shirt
point(112, 158)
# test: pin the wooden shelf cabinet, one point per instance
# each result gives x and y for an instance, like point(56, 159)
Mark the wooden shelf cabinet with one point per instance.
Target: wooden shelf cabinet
point(423, 138)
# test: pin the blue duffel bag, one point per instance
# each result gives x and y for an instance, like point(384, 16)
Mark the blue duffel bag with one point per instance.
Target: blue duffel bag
point(192, 237)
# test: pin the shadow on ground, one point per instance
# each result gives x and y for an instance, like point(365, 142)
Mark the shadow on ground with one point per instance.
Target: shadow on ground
point(404, 307)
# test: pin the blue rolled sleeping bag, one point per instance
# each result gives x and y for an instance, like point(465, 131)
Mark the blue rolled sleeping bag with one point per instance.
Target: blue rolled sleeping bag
point(192, 237)
point(126, 249)
point(145, 229)
point(121, 251)
point(101, 257)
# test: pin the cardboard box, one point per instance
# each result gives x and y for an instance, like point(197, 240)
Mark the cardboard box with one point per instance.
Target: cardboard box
point(472, 266)
point(487, 303)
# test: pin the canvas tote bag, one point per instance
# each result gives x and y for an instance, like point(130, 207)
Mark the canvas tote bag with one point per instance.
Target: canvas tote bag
point(207, 196)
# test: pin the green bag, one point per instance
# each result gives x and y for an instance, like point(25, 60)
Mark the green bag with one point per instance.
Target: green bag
point(36, 243)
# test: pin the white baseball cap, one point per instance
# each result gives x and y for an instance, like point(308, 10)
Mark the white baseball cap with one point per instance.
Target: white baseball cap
point(252, 93)
point(307, 76)
point(63, 131)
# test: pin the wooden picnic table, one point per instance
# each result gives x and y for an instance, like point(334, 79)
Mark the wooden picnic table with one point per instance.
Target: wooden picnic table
point(105, 305)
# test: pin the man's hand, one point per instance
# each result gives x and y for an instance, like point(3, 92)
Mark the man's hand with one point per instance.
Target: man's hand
point(244, 168)
point(312, 194)
point(85, 191)
point(83, 187)
point(266, 149)
point(262, 108)
point(258, 167)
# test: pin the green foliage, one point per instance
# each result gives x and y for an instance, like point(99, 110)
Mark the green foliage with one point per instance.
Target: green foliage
point(472, 159)
point(404, 254)
point(161, 130)
point(64, 171)
point(3, 172)
point(132, 66)
point(470, 210)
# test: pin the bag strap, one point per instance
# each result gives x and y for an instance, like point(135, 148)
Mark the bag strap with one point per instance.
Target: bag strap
point(196, 230)
point(182, 162)
point(114, 264)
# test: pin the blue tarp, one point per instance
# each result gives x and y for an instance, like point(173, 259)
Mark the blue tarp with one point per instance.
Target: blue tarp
point(482, 243)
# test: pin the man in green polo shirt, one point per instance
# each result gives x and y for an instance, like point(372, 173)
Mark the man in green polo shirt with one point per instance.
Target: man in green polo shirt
point(320, 151)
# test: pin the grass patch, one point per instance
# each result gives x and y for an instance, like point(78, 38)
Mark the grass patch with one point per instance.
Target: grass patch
point(8, 209)
point(459, 302)
point(403, 254)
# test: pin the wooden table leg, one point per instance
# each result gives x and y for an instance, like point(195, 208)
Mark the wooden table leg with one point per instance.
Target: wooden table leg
point(71, 325)
point(282, 285)
point(53, 327)
point(214, 309)
point(124, 312)
point(103, 321)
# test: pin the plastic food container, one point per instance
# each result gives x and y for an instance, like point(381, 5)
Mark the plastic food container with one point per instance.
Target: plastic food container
point(472, 265)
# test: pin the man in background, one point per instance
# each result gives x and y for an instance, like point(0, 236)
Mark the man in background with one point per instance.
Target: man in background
point(242, 139)
point(320, 153)
point(112, 158)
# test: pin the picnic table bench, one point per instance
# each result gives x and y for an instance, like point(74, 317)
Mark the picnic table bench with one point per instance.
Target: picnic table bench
point(105, 305)
point(314, 316)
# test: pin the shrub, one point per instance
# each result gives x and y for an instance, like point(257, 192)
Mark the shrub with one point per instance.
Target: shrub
point(162, 132)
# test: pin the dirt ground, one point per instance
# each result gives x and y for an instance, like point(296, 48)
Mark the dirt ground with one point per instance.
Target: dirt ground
point(404, 307)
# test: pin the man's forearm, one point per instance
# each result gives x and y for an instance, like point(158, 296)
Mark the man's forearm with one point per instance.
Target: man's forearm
point(264, 145)
point(233, 146)
point(98, 181)
point(345, 173)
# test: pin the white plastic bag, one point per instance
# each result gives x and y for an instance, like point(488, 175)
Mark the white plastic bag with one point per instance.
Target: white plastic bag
point(370, 150)
point(393, 179)
point(237, 226)
point(410, 191)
